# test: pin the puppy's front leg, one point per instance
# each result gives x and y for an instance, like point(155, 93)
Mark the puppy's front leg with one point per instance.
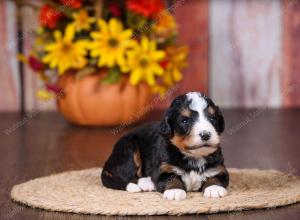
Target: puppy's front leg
point(171, 186)
point(215, 187)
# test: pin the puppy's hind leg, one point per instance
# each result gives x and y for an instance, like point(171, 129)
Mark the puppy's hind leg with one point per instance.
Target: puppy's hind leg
point(123, 168)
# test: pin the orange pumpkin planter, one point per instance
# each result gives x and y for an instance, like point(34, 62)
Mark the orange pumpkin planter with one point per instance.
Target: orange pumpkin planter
point(88, 101)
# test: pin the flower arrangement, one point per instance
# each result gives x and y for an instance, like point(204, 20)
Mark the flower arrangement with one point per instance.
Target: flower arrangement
point(134, 38)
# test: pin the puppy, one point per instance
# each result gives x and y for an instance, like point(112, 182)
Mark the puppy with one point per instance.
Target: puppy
point(179, 154)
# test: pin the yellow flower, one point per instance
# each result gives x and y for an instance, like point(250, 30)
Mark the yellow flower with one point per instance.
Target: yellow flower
point(111, 43)
point(44, 95)
point(82, 21)
point(160, 89)
point(176, 61)
point(64, 53)
point(143, 62)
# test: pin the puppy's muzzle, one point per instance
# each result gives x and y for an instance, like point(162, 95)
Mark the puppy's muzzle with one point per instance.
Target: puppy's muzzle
point(205, 135)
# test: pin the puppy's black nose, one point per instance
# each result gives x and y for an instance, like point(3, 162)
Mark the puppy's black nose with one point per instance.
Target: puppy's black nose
point(205, 135)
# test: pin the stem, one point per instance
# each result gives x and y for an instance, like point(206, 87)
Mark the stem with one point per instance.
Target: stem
point(24, 3)
point(98, 8)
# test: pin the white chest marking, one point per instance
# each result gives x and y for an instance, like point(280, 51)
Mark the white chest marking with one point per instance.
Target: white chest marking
point(194, 180)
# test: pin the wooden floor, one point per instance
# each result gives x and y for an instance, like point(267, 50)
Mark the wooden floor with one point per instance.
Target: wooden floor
point(43, 143)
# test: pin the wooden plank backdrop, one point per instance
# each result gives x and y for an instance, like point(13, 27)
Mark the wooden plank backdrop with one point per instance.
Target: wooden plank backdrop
point(243, 53)
point(9, 77)
point(291, 54)
point(192, 19)
point(245, 58)
point(32, 83)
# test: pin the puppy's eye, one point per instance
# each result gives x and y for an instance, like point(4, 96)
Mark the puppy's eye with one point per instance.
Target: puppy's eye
point(184, 121)
point(212, 119)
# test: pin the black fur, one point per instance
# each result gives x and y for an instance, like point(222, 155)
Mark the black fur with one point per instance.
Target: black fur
point(142, 152)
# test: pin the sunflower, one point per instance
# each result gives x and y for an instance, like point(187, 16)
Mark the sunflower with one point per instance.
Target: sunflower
point(82, 21)
point(174, 63)
point(64, 53)
point(143, 62)
point(160, 89)
point(111, 43)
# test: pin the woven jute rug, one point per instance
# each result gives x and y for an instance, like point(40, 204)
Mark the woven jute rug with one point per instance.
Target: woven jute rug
point(82, 192)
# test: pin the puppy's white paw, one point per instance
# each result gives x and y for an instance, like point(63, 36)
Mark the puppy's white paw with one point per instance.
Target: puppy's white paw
point(174, 194)
point(215, 191)
point(146, 184)
point(132, 187)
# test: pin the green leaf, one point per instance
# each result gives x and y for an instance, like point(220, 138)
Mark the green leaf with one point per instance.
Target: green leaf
point(112, 76)
point(138, 23)
point(84, 72)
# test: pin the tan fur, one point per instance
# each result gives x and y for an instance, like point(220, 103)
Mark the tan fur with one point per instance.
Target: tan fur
point(138, 162)
point(211, 110)
point(181, 142)
point(221, 169)
point(186, 112)
point(108, 173)
point(167, 168)
point(214, 181)
point(174, 183)
point(203, 151)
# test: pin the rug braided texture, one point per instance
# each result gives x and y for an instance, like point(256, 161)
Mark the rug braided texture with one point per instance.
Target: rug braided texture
point(82, 192)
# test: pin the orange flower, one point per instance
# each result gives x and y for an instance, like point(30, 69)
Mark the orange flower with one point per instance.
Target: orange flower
point(146, 8)
point(164, 26)
point(72, 3)
point(175, 61)
point(49, 16)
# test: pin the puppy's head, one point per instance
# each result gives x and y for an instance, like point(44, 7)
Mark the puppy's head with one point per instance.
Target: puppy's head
point(193, 123)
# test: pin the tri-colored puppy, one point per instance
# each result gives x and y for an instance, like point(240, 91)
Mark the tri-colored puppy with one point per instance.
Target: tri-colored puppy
point(179, 154)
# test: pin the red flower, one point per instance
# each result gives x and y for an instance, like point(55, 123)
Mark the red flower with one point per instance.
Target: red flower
point(114, 9)
point(35, 64)
point(145, 7)
point(53, 88)
point(164, 64)
point(72, 3)
point(49, 16)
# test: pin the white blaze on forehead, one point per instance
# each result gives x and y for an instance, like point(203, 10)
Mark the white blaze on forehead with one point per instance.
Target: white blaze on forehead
point(198, 103)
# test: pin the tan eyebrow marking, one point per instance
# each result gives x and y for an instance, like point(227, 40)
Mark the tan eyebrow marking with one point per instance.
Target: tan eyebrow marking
point(211, 110)
point(186, 112)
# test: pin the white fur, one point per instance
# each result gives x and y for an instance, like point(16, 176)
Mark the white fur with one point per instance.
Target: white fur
point(132, 187)
point(146, 184)
point(198, 103)
point(174, 194)
point(215, 191)
point(194, 180)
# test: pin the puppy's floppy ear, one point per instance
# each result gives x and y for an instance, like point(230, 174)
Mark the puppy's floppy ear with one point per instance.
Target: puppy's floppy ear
point(221, 121)
point(165, 127)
